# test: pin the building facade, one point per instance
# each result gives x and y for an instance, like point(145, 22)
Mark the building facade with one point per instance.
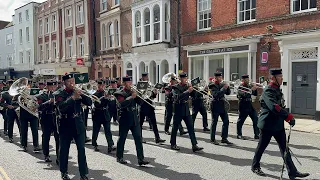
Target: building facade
point(63, 37)
point(7, 52)
point(24, 31)
point(250, 37)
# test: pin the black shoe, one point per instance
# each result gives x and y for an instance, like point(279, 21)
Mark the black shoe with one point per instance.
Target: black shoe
point(36, 150)
point(226, 141)
point(206, 129)
point(47, 159)
point(299, 175)
point(175, 147)
point(121, 161)
point(65, 176)
point(96, 148)
point(196, 148)
point(215, 142)
point(158, 141)
point(183, 133)
point(258, 171)
point(87, 140)
point(143, 162)
point(84, 177)
point(167, 133)
point(111, 148)
point(241, 137)
point(24, 148)
point(256, 137)
point(10, 140)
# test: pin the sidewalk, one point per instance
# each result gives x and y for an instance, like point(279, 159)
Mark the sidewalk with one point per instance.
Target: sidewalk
point(302, 125)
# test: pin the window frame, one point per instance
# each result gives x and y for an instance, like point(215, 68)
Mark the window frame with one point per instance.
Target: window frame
point(158, 22)
point(20, 17)
point(110, 36)
point(54, 49)
point(47, 51)
point(27, 15)
point(21, 54)
point(81, 46)
point(117, 34)
point(106, 5)
point(54, 23)
point(80, 14)
point(10, 60)
point(29, 56)
point(40, 27)
point(11, 39)
point(46, 29)
point(27, 34)
point(145, 25)
point(20, 36)
point(68, 18)
point(301, 11)
point(251, 9)
point(41, 52)
point(198, 16)
point(69, 52)
point(138, 27)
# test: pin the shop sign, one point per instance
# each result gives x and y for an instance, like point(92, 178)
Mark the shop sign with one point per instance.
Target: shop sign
point(80, 62)
point(48, 71)
point(219, 50)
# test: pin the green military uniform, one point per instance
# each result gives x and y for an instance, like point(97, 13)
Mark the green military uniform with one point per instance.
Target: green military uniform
point(128, 120)
point(71, 126)
point(198, 106)
point(113, 107)
point(271, 124)
point(246, 109)
point(101, 116)
point(3, 110)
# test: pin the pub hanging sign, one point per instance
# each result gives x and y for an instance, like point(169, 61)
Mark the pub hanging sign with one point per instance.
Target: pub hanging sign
point(219, 50)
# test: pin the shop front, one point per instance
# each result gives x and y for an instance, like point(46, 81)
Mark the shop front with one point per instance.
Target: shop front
point(6, 74)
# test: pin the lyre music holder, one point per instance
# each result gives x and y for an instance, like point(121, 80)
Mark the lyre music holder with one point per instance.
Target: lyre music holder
point(142, 85)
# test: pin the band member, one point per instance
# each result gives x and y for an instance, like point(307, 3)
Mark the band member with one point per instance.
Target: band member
point(271, 124)
point(148, 111)
point(112, 104)
point(72, 125)
point(60, 85)
point(198, 106)
point(41, 85)
point(169, 107)
point(25, 119)
point(245, 107)
point(3, 109)
point(128, 120)
point(101, 116)
point(181, 93)
point(119, 86)
point(218, 90)
point(48, 121)
point(11, 104)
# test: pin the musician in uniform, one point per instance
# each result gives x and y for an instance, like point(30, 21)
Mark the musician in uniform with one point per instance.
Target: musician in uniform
point(198, 106)
point(41, 85)
point(147, 111)
point(218, 90)
point(245, 107)
point(11, 104)
point(119, 85)
point(128, 120)
point(3, 109)
point(181, 93)
point(113, 104)
point(26, 118)
point(169, 107)
point(101, 116)
point(271, 124)
point(48, 121)
point(72, 125)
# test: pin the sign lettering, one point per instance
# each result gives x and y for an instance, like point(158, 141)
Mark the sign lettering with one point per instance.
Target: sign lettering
point(219, 50)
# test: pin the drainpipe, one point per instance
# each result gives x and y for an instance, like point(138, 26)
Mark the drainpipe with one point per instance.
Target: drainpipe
point(179, 37)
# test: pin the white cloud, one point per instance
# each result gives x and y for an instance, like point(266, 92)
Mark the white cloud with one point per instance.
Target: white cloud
point(7, 7)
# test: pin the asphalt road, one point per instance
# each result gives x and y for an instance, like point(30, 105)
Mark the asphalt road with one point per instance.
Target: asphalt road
point(214, 163)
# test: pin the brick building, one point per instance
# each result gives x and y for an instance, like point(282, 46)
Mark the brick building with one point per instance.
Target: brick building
point(250, 37)
point(113, 36)
point(64, 36)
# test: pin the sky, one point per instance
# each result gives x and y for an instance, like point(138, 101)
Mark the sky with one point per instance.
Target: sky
point(7, 7)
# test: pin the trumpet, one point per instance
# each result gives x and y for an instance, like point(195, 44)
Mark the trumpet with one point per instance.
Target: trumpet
point(142, 96)
point(89, 90)
point(249, 90)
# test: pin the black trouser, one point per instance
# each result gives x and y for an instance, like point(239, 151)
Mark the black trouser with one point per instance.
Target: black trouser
point(96, 129)
point(86, 114)
point(5, 121)
point(25, 119)
point(12, 116)
point(152, 119)
point(225, 125)
point(176, 122)
point(168, 116)
point(48, 127)
point(280, 136)
point(65, 141)
point(197, 106)
point(243, 116)
point(114, 115)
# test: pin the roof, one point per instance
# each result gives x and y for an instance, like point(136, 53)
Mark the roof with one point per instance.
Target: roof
point(3, 24)
point(32, 2)
point(9, 25)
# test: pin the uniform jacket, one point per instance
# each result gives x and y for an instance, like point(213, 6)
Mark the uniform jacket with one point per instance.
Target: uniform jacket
point(100, 111)
point(7, 99)
point(218, 92)
point(245, 100)
point(46, 109)
point(181, 96)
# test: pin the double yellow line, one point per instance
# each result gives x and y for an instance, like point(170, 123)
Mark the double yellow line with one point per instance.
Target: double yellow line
point(3, 174)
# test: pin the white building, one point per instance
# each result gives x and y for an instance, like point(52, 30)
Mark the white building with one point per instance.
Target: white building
point(24, 31)
point(151, 50)
point(7, 53)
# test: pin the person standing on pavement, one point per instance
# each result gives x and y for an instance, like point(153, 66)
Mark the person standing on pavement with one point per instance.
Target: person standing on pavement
point(271, 124)
point(72, 125)
point(113, 104)
point(3, 109)
point(245, 107)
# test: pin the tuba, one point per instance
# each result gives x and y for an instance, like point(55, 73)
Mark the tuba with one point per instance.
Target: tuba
point(167, 77)
point(25, 100)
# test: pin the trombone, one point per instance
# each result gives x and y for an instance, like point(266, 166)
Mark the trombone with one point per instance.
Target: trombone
point(88, 90)
point(143, 96)
point(249, 91)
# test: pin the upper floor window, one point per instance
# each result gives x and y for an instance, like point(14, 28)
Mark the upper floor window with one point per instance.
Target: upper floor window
point(117, 34)
point(80, 14)
point(54, 50)
point(104, 37)
point(116, 2)
point(47, 25)
point(41, 53)
point(156, 22)
point(246, 10)
point(81, 46)
point(54, 22)
point(138, 26)
point(20, 17)
point(21, 57)
point(69, 41)
point(204, 14)
point(303, 5)
point(103, 5)
point(27, 34)
point(10, 59)
point(111, 34)
point(40, 27)
point(147, 25)
point(27, 15)
point(29, 56)
point(47, 52)
point(69, 18)
point(20, 36)
point(9, 39)
point(166, 22)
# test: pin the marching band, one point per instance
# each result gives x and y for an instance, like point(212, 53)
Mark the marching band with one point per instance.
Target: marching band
point(59, 109)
